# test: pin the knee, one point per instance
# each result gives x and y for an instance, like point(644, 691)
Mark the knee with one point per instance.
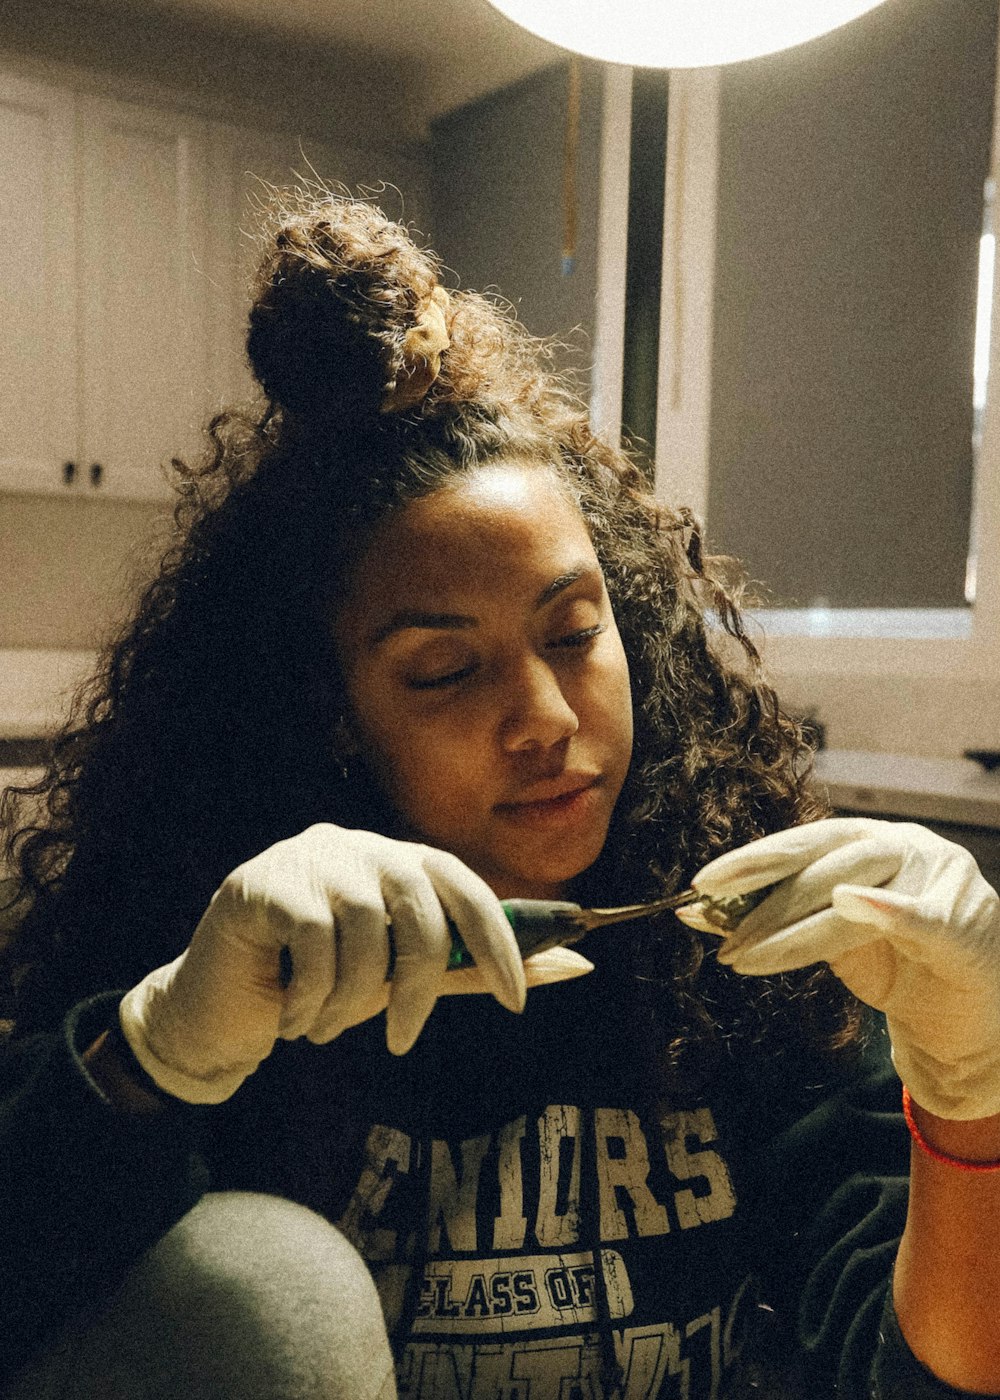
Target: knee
point(252, 1284)
point(248, 1296)
point(283, 1260)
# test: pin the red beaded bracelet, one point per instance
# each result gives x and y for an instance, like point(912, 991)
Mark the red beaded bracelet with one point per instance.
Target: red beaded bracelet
point(961, 1164)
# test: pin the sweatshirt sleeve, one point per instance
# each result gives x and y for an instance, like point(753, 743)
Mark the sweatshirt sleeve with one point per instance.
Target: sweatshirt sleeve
point(839, 1179)
point(86, 1188)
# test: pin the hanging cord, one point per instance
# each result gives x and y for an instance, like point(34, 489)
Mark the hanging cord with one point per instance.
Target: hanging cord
point(571, 146)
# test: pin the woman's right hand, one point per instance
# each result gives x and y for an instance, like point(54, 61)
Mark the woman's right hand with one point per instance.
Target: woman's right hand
point(204, 1022)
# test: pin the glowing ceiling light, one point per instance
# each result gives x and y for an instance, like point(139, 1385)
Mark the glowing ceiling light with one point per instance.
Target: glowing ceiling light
point(680, 33)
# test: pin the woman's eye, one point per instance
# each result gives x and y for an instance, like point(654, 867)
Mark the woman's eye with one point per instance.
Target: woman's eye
point(581, 638)
point(440, 682)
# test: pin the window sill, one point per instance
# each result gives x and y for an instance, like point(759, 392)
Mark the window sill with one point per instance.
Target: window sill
point(904, 624)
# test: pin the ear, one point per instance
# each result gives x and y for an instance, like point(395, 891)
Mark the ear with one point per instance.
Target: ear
point(344, 738)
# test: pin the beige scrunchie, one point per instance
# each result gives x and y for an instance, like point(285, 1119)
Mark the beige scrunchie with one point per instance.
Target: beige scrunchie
point(422, 348)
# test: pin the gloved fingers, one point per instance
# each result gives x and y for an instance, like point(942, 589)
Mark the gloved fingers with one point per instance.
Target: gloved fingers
point(885, 910)
point(360, 961)
point(865, 862)
point(693, 915)
point(554, 965)
point(478, 915)
point(265, 900)
point(312, 962)
point(782, 854)
point(957, 905)
point(268, 904)
point(822, 937)
point(923, 929)
point(422, 943)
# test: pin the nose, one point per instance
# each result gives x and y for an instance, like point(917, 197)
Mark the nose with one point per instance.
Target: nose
point(539, 714)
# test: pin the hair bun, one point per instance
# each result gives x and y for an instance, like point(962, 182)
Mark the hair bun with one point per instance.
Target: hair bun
point(347, 318)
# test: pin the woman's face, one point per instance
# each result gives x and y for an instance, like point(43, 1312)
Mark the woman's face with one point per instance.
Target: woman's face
point(487, 680)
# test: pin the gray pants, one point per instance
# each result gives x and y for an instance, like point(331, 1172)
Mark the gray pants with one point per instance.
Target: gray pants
point(247, 1298)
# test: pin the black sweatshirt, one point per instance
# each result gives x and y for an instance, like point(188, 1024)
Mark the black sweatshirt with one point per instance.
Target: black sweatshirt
point(533, 1216)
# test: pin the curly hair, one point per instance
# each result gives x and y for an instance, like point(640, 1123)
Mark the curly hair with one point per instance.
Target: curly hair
point(210, 730)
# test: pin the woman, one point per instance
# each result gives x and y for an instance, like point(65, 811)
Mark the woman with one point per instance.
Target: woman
point(425, 644)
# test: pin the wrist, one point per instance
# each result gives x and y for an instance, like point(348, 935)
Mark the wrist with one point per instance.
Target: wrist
point(118, 1074)
point(974, 1142)
point(197, 1065)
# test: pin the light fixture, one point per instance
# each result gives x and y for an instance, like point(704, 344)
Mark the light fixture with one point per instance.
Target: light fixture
point(680, 33)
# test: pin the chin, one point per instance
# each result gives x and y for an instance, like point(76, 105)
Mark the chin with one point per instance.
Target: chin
point(540, 882)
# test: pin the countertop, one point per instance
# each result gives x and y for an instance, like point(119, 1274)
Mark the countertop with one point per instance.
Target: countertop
point(924, 789)
point(35, 688)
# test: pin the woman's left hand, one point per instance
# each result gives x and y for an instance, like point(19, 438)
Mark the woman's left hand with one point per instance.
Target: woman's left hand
point(905, 920)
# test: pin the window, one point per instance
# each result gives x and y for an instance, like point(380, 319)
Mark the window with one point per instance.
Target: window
point(892, 657)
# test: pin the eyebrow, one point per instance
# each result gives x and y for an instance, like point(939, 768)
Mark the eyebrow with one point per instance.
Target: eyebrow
point(455, 622)
point(553, 589)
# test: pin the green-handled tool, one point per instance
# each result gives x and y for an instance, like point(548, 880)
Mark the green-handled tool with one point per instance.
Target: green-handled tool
point(540, 924)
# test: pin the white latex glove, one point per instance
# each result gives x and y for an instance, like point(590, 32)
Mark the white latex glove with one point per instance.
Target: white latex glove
point(204, 1022)
point(905, 920)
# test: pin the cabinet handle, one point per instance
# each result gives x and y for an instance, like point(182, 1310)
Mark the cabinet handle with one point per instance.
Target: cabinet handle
point(96, 473)
point(69, 473)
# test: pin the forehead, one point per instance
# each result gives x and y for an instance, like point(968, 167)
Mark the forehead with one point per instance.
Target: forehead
point(492, 527)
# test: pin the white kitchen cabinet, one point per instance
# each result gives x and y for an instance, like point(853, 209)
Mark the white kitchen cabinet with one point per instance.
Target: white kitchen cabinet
point(105, 331)
point(128, 236)
point(38, 352)
point(144, 307)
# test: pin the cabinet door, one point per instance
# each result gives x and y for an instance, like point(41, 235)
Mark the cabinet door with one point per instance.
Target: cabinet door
point(144, 288)
point(38, 384)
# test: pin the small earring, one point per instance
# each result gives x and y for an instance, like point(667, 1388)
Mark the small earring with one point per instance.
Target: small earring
point(344, 746)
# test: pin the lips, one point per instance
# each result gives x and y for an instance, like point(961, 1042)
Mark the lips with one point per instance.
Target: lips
point(553, 794)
